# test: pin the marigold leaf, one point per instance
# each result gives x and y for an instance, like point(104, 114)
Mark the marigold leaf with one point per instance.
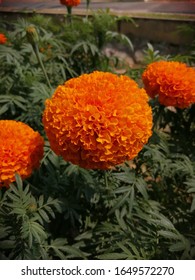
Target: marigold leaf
point(113, 256)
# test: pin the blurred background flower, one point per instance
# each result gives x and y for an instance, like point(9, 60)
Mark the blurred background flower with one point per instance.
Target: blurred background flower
point(3, 38)
point(173, 82)
point(70, 3)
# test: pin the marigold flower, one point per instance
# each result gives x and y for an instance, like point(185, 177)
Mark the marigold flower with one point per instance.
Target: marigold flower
point(3, 39)
point(173, 82)
point(98, 120)
point(70, 3)
point(21, 149)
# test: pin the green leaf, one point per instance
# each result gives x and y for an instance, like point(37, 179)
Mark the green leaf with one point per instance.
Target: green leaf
point(123, 189)
point(192, 208)
point(4, 109)
point(141, 186)
point(59, 253)
point(18, 211)
point(169, 234)
point(179, 246)
point(41, 201)
point(19, 181)
point(162, 221)
point(126, 177)
point(73, 252)
point(119, 203)
point(7, 244)
point(84, 235)
point(44, 215)
point(113, 256)
point(131, 199)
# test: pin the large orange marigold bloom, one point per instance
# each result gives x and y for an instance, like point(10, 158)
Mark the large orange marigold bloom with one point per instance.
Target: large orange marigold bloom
point(173, 82)
point(98, 120)
point(3, 39)
point(70, 3)
point(21, 149)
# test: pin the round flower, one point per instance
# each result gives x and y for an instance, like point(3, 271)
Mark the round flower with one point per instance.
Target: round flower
point(21, 149)
point(173, 82)
point(3, 39)
point(98, 120)
point(70, 3)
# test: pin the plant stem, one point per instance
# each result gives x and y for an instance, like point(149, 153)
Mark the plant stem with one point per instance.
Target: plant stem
point(106, 179)
point(69, 14)
point(37, 53)
point(87, 12)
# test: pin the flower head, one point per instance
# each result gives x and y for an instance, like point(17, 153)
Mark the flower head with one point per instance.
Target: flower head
point(98, 120)
point(173, 82)
point(70, 3)
point(3, 39)
point(21, 149)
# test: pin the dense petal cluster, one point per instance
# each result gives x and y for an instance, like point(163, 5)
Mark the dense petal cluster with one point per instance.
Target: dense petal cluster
point(70, 3)
point(98, 120)
point(173, 82)
point(21, 149)
point(3, 39)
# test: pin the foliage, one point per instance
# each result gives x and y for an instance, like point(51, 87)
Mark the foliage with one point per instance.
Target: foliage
point(142, 209)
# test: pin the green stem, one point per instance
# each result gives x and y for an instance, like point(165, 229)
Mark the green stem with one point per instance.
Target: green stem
point(37, 53)
point(106, 179)
point(69, 14)
point(87, 12)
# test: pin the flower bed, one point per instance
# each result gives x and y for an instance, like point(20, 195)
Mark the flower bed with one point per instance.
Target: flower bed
point(114, 178)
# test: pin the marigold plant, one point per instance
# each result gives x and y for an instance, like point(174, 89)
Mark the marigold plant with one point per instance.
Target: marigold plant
point(70, 3)
point(173, 82)
point(3, 39)
point(21, 149)
point(98, 120)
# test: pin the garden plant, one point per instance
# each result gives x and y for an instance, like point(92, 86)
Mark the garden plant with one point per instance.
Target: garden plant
point(93, 165)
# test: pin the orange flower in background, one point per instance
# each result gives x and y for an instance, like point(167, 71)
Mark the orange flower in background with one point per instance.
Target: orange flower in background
point(173, 82)
point(3, 39)
point(21, 149)
point(70, 3)
point(98, 120)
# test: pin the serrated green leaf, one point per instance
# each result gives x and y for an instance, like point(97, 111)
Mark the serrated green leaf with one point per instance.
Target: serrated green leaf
point(18, 211)
point(141, 186)
point(83, 236)
point(119, 203)
point(4, 109)
point(179, 246)
point(59, 253)
point(169, 234)
point(44, 215)
point(41, 201)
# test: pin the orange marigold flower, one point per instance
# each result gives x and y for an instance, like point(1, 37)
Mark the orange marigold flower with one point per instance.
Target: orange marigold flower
point(98, 120)
point(3, 39)
point(21, 149)
point(70, 3)
point(173, 82)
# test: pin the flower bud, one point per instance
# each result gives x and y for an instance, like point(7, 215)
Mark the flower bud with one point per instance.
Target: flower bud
point(32, 35)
